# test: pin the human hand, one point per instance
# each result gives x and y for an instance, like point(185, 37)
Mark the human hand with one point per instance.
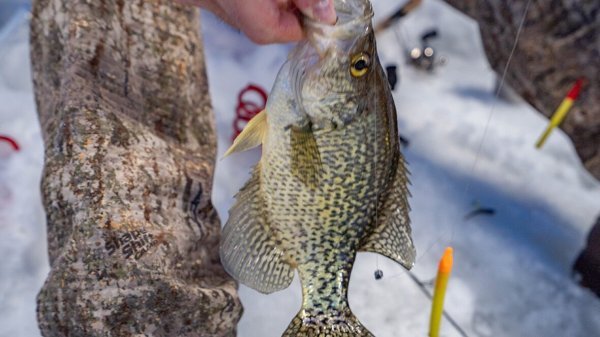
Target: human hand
point(269, 21)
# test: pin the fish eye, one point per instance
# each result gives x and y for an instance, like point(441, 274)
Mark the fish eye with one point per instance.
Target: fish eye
point(360, 64)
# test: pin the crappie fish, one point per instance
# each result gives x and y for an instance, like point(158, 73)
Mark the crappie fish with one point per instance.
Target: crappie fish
point(331, 180)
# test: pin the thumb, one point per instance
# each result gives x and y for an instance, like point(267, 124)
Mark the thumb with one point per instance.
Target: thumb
point(319, 10)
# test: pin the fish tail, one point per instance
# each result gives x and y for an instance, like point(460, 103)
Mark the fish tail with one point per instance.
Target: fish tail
point(326, 325)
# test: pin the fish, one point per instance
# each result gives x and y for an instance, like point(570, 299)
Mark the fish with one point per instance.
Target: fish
point(331, 180)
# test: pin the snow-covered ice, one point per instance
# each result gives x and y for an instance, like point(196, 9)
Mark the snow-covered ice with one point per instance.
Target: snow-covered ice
point(512, 270)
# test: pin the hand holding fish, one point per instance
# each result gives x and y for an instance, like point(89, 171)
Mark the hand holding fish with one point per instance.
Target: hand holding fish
point(269, 21)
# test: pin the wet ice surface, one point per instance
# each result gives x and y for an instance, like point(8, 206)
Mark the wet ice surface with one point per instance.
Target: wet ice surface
point(511, 275)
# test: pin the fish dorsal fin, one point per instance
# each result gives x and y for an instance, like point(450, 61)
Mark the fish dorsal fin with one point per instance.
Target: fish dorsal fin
point(248, 249)
point(252, 136)
point(391, 234)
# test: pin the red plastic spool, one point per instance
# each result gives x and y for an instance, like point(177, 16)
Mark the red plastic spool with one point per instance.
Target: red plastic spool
point(248, 108)
point(11, 142)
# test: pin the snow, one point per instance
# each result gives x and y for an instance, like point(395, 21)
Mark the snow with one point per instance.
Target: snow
point(512, 269)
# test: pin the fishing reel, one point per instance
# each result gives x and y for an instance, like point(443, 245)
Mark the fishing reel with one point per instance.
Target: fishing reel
point(425, 56)
point(251, 101)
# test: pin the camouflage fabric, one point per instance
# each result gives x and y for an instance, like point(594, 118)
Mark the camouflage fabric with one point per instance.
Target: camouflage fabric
point(133, 237)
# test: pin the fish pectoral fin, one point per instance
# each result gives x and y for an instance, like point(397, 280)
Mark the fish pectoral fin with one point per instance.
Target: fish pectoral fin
point(248, 251)
point(306, 162)
point(252, 136)
point(391, 235)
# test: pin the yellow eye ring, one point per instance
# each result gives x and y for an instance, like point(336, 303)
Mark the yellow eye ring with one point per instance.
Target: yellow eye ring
point(360, 64)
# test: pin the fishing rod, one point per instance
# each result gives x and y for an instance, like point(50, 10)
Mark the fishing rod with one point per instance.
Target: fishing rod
point(397, 15)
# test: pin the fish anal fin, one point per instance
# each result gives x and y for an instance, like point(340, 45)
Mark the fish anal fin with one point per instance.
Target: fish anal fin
point(391, 235)
point(306, 162)
point(252, 136)
point(248, 250)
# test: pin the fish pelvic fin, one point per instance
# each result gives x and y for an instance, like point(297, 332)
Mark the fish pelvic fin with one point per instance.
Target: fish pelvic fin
point(390, 236)
point(248, 250)
point(326, 325)
point(252, 136)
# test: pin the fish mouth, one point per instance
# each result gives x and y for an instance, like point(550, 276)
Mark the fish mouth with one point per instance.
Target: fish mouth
point(353, 23)
point(324, 40)
point(353, 18)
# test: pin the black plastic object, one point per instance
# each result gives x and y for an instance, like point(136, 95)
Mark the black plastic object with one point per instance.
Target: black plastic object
point(392, 75)
point(587, 266)
point(480, 211)
point(404, 141)
point(432, 33)
point(424, 57)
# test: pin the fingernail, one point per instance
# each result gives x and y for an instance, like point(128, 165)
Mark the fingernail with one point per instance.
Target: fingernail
point(324, 11)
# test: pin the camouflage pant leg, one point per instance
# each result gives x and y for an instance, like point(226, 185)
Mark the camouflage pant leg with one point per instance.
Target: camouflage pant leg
point(130, 144)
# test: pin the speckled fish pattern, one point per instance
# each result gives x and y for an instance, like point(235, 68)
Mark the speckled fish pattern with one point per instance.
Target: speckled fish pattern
point(331, 182)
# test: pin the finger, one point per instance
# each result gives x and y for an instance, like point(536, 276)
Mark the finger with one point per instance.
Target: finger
point(289, 28)
point(276, 25)
point(319, 10)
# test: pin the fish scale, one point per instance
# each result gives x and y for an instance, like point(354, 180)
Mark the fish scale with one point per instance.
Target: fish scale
point(331, 180)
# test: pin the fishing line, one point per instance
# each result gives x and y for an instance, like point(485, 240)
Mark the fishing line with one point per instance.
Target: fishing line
point(376, 176)
point(423, 287)
point(400, 36)
point(486, 128)
point(402, 39)
point(493, 108)
point(451, 320)
point(474, 166)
